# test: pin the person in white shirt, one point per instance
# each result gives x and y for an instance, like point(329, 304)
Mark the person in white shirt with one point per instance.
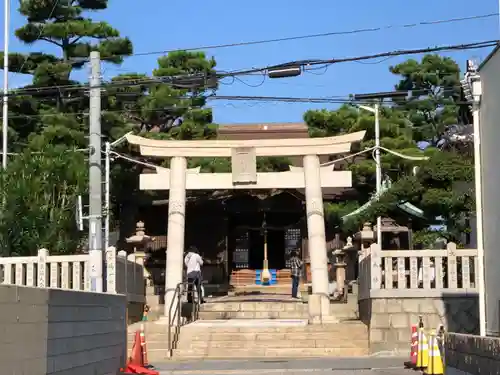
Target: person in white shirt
point(193, 262)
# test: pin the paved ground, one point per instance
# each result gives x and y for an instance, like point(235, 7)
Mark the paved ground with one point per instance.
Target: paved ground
point(322, 366)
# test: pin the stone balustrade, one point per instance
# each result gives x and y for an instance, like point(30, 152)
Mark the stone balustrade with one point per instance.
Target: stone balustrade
point(71, 272)
point(397, 287)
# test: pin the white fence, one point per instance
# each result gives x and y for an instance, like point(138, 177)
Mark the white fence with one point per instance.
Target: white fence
point(417, 273)
point(121, 276)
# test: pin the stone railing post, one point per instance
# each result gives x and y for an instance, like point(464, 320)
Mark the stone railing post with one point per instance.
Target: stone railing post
point(111, 269)
point(375, 266)
point(451, 249)
point(42, 268)
point(123, 255)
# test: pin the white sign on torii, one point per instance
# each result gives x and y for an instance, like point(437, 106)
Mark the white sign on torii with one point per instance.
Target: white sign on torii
point(312, 177)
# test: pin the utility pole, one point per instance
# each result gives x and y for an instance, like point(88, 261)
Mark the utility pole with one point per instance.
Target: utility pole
point(378, 97)
point(5, 109)
point(378, 170)
point(95, 177)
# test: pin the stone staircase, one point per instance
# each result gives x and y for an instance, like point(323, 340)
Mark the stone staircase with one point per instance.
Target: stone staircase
point(262, 339)
point(272, 308)
point(234, 328)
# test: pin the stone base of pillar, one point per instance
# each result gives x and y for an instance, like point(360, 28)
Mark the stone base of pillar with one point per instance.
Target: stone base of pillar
point(153, 301)
point(319, 310)
point(171, 306)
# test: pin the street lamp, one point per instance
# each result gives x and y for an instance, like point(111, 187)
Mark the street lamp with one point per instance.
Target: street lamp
point(379, 96)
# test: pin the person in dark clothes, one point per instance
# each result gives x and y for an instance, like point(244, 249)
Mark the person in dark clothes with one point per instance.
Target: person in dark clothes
point(296, 265)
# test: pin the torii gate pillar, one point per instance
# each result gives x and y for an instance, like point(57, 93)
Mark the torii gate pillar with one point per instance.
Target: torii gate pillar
point(176, 227)
point(319, 302)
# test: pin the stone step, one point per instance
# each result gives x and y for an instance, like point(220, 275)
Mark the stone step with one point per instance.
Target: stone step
point(335, 328)
point(340, 327)
point(218, 315)
point(216, 353)
point(293, 342)
point(255, 345)
point(353, 334)
point(152, 328)
point(267, 306)
point(254, 306)
point(298, 313)
point(287, 339)
point(270, 306)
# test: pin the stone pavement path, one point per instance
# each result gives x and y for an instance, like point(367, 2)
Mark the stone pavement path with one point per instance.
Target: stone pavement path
point(320, 366)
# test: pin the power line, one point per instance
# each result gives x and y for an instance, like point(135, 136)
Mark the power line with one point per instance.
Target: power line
point(193, 81)
point(320, 35)
point(340, 99)
point(307, 63)
point(186, 81)
point(45, 153)
point(215, 98)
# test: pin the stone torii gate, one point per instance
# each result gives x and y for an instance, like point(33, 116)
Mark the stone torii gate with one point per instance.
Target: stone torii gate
point(243, 153)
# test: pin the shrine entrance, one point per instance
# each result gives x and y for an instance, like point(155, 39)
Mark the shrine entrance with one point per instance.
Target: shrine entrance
point(275, 239)
point(310, 178)
point(257, 223)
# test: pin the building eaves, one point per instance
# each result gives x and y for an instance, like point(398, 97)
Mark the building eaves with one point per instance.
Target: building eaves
point(491, 54)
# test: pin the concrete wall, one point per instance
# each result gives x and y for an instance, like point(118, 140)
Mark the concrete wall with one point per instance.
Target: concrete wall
point(469, 354)
point(49, 331)
point(390, 319)
point(490, 139)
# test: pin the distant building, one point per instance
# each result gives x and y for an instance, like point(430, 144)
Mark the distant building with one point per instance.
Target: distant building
point(489, 125)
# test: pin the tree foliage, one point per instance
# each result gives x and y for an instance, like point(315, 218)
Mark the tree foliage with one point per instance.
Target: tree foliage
point(155, 105)
point(65, 25)
point(38, 199)
point(53, 120)
point(404, 125)
point(435, 86)
point(40, 190)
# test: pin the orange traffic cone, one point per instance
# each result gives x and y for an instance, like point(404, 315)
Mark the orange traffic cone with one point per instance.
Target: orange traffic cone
point(412, 363)
point(136, 357)
point(134, 369)
point(143, 347)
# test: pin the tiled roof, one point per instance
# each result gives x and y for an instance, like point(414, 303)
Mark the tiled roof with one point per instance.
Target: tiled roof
point(265, 126)
point(262, 131)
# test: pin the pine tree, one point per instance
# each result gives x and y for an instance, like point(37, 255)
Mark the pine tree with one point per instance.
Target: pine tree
point(41, 184)
point(63, 24)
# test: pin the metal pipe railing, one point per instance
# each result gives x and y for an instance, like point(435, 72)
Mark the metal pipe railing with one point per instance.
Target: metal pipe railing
point(177, 302)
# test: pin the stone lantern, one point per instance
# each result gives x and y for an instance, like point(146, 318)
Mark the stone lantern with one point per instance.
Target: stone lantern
point(365, 237)
point(139, 241)
point(340, 266)
point(140, 238)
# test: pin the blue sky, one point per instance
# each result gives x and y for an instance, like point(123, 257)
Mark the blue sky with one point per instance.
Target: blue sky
point(156, 25)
